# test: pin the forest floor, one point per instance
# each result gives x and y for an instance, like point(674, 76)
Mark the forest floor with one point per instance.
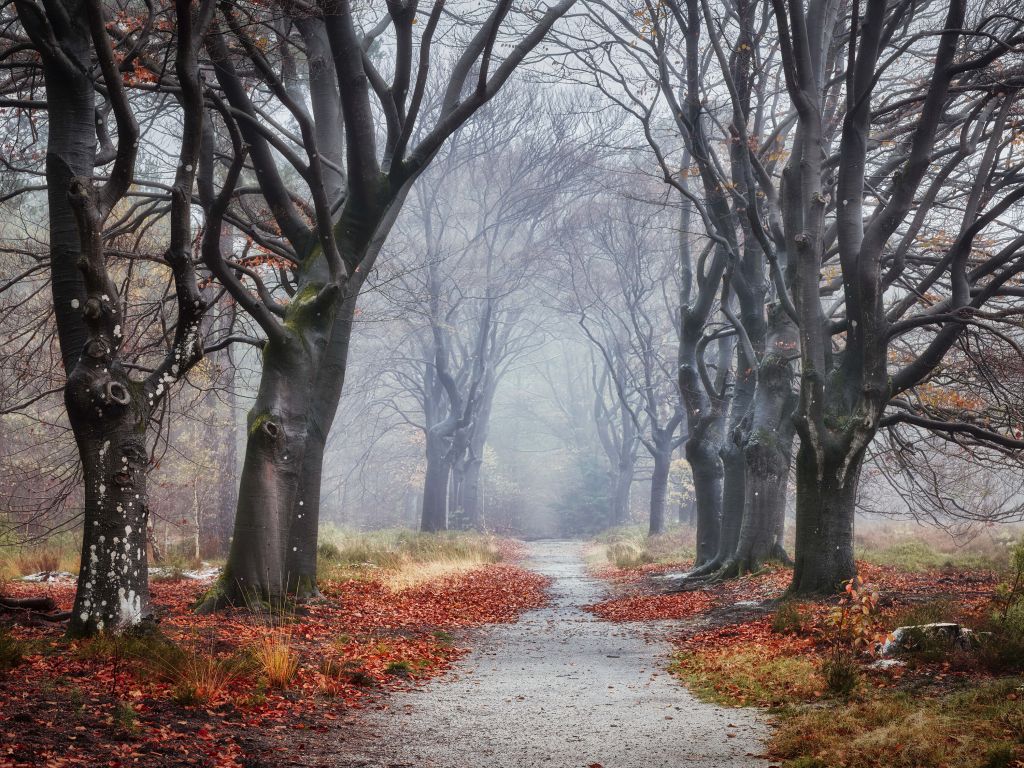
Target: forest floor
point(813, 670)
point(558, 688)
point(238, 690)
point(545, 658)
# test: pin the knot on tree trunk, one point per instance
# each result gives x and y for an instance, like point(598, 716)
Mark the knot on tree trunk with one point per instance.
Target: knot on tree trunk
point(97, 349)
point(117, 393)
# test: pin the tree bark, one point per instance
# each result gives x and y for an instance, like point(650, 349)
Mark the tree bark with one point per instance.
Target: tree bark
point(702, 453)
point(279, 436)
point(825, 506)
point(434, 513)
point(109, 417)
point(621, 487)
point(304, 516)
point(659, 491)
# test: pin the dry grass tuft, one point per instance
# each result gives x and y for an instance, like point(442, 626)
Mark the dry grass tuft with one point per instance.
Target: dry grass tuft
point(403, 559)
point(197, 675)
point(631, 547)
point(277, 657)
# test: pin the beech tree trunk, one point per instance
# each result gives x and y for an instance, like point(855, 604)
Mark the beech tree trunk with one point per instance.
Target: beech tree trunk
point(825, 506)
point(659, 491)
point(434, 513)
point(706, 466)
point(734, 488)
point(271, 487)
point(109, 420)
point(472, 502)
point(621, 488)
point(304, 516)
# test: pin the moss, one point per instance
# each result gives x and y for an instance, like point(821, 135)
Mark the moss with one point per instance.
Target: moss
point(299, 316)
point(215, 597)
point(257, 421)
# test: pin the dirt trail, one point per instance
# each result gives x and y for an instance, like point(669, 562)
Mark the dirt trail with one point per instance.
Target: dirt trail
point(560, 689)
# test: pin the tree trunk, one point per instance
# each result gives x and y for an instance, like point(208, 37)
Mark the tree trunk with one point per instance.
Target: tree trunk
point(706, 466)
point(768, 453)
point(471, 494)
point(110, 428)
point(825, 505)
point(434, 515)
point(278, 438)
point(659, 491)
point(733, 497)
point(621, 487)
point(304, 516)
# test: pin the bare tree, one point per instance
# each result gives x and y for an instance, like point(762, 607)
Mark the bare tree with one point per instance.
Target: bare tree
point(109, 410)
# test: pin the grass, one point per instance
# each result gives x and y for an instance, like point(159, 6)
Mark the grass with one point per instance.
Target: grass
point(198, 676)
point(917, 548)
point(276, 655)
point(12, 651)
point(124, 717)
point(749, 676)
point(790, 618)
point(194, 673)
point(974, 728)
point(57, 553)
point(631, 547)
point(402, 558)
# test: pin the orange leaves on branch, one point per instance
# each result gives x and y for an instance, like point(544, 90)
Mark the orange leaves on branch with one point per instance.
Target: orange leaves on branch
point(855, 619)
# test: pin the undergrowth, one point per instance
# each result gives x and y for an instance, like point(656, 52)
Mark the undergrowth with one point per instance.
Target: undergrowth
point(402, 558)
point(631, 547)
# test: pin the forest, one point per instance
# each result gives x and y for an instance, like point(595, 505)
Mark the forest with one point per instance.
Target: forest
point(607, 383)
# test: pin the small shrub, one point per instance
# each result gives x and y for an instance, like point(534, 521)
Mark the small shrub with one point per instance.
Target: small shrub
point(1001, 756)
point(854, 620)
point(841, 672)
point(788, 619)
point(124, 717)
point(12, 651)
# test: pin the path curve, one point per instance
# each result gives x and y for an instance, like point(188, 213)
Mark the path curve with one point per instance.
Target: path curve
point(560, 689)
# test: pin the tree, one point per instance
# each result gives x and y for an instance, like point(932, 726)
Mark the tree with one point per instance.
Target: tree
point(920, 133)
point(620, 298)
point(356, 182)
point(109, 410)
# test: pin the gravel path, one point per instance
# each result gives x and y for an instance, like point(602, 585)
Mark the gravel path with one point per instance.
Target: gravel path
point(560, 689)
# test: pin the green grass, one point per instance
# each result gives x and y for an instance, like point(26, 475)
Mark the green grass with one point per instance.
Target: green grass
point(12, 651)
point(917, 549)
